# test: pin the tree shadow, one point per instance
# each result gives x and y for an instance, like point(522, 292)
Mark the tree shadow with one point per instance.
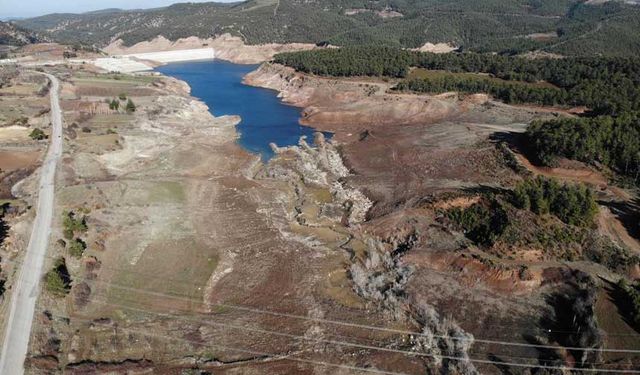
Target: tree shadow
point(485, 190)
point(571, 322)
point(519, 143)
point(511, 138)
point(561, 321)
point(546, 356)
point(501, 365)
point(4, 228)
point(628, 213)
point(622, 302)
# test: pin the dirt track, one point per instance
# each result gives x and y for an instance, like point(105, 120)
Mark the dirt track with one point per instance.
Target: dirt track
point(25, 289)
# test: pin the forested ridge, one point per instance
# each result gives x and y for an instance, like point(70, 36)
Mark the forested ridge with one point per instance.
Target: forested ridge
point(610, 141)
point(11, 34)
point(573, 204)
point(607, 85)
point(568, 27)
point(351, 61)
point(515, 93)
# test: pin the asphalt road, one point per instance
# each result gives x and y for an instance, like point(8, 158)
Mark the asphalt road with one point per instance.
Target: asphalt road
point(26, 288)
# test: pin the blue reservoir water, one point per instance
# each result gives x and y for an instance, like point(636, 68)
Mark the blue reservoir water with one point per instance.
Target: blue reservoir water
point(265, 118)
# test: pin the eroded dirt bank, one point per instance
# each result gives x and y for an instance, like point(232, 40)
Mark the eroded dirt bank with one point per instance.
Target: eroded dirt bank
point(442, 142)
point(227, 47)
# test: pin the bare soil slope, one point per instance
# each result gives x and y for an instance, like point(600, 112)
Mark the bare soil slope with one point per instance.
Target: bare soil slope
point(227, 47)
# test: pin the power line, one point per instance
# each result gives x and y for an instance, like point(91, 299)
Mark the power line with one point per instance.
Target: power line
point(354, 325)
point(363, 326)
point(260, 330)
point(253, 352)
point(137, 290)
point(369, 347)
point(611, 334)
point(154, 276)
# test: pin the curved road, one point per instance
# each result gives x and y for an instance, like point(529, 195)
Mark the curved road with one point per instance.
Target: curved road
point(26, 287)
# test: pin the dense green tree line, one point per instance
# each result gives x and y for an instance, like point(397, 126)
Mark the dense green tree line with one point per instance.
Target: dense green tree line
point(352, 61)
point(523, 218)
point(505, 91)
point(573, 204)
point(611, 141)
point(605, 85)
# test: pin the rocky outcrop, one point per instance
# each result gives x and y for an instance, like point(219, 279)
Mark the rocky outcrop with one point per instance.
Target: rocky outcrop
point(322, 166)
point(380, 276)
point(436, 48)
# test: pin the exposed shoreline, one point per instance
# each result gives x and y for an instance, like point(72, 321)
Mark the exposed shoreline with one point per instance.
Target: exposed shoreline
point(227, 47)
point(140, 62)
point(173, 175)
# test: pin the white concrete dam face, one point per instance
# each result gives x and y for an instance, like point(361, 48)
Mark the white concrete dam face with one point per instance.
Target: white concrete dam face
point(176, 56)
point(139, 62)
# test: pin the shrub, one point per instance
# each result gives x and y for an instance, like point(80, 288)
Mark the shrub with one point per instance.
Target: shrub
point(122, 96)
point(67, 234)
point(573, 204)
point(73, 223)
point(114, 105)
point(77, 248)
point(37, 134)
point(610, 255)
point(58, 280)
point(131, 107)
point(483, 225)
point(82, 292)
